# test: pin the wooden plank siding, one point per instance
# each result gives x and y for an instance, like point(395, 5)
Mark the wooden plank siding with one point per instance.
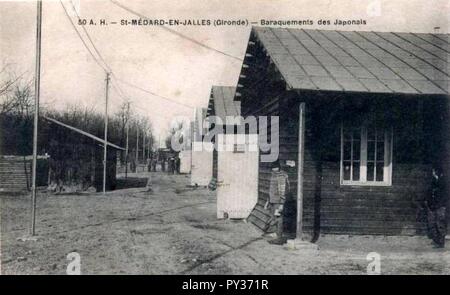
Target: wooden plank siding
point(369, 210)
point(263, 93)
point(15, 173)
point(330, 207)
point(445, 157)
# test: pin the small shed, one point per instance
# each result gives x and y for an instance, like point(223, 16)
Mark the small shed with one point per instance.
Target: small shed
point(363, 119)
point(202, 152)
point(222, 105)
point(76, 159)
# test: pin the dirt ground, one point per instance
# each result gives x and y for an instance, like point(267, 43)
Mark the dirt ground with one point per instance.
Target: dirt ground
point(174, 230)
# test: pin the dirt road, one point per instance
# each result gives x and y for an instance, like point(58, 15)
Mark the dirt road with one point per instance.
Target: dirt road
point(174, 230)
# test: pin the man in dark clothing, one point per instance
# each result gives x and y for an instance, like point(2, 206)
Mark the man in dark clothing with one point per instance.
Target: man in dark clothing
point(278, 189)
point(177, 164)
point(154, 161)
point(149, 164)
point(171, 165)
point(436, 205)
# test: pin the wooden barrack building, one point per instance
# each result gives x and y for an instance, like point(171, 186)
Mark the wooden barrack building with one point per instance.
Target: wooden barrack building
point(363, 119)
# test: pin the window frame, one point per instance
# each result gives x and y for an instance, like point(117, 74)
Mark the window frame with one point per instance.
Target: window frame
point(387, 168)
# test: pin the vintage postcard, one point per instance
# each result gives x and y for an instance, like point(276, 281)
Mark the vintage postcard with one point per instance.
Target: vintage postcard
point(205, 137)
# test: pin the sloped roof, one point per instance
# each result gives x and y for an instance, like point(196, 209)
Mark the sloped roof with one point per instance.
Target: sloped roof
point(359, 61)
point(221, 103)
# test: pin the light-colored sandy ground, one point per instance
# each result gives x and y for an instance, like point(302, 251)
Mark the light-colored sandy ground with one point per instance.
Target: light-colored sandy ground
point(175, 231)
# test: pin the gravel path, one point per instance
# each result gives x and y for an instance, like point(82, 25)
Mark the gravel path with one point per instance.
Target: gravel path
point(174, 230)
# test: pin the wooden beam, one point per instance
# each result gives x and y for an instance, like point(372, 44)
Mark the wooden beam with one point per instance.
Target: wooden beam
point(83, 133)
point(301, 162)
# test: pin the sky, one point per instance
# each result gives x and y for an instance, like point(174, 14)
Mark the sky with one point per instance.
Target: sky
point(164, 63)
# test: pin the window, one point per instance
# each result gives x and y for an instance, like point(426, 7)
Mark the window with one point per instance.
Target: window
point(366, 155)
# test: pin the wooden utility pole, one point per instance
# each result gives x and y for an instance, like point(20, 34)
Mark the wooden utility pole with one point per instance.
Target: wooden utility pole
point(301, 162)
point(143, 146)
point(105, 146)
point(126, 147)
point(147, 152)
point(37, 83)
point(137, 144)
point(298, 243)
point(150, 145)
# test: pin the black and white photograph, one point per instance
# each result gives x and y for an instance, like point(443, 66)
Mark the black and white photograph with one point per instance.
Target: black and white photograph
point(205, 137)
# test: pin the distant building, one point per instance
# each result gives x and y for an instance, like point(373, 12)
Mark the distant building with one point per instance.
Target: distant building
point(222, 105)
point(202, 158)
point(235, 164)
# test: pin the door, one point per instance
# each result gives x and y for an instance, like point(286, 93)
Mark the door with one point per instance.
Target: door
point(237, 175)
point(202, 162)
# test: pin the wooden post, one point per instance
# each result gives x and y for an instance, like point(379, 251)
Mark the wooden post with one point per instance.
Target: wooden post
point(298, 243)
point(301, 162)
point(105, 148)
point(126, 149)
point(143, 146)
point(37, 84)
point(149, 146)
point(137, 145)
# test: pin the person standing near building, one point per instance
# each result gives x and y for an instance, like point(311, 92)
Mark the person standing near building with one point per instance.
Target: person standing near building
point(149, 164)
point(133, 166)
point(278, 190)
point(171, 165)
point(437, 223)
point(154, 161)
point(163, 164)
point(177, 164)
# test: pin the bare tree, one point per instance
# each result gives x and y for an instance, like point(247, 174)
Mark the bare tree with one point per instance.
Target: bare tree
point(15, 95)
point(22, 99)
point(123, 117)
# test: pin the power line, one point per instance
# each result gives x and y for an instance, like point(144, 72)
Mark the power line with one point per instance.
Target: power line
point(108, 69)
point(118, 86)
point(119, 91)
point(154, 94)
point(177, 33)
point(81, 38)
point(89, 37)
point(121, 95)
